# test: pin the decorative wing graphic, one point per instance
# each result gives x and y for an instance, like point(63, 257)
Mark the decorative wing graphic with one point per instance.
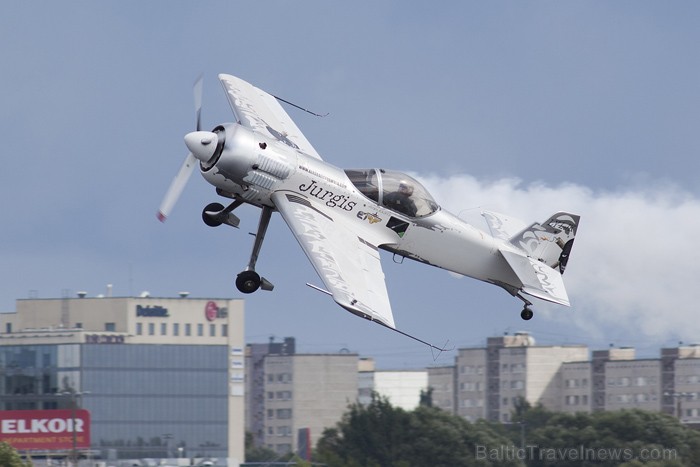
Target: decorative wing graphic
point(261, 112)
point(348, 265)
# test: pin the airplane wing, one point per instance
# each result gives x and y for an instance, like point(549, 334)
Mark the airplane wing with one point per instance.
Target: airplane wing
point(348, 265)
point(261, 112)
point(538, 279)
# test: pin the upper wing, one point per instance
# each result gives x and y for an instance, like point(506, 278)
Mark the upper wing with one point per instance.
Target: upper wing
point(259, 111)
point(348, 265)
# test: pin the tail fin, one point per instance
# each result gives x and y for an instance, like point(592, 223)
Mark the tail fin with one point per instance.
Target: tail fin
point(551, 241)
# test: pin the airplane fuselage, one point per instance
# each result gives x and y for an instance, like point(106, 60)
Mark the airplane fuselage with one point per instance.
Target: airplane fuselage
point(252, 167)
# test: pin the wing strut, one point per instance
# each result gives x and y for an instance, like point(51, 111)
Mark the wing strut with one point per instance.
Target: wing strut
point(301, 108)
point(432, 347)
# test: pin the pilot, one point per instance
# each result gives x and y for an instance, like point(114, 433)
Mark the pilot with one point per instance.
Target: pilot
point(401, 200)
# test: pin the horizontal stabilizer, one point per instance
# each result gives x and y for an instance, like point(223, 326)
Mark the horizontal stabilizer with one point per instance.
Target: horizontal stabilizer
point(503, 226)
point(538, 279)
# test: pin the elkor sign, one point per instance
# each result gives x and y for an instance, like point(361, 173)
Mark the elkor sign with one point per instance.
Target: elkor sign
point(45, 429)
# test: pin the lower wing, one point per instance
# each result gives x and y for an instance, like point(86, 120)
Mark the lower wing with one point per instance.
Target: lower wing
point(348, 265)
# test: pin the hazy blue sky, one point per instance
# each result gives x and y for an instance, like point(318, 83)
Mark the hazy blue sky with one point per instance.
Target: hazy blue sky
point(520, 107)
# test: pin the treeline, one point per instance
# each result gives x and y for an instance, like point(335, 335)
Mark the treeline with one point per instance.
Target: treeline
point(380, 435)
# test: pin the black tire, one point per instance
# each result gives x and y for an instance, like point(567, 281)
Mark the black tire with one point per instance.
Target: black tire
point(526, 314)
point(248, 282)
point(209, 219)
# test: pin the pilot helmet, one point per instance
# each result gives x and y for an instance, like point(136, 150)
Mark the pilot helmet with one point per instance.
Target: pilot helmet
point(405, 187)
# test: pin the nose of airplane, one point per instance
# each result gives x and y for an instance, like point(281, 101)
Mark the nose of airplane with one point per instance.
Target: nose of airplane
point(202, 144)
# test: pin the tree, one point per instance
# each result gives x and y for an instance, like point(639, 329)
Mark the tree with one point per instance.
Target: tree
point(380, 435)
point(257, 454)
point(10, 458)
point(625, 437)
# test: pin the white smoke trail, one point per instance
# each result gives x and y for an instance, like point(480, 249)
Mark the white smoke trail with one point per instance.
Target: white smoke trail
point(634, 264)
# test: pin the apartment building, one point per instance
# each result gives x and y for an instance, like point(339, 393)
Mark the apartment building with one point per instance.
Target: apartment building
point(489, 380)
point(297, 395)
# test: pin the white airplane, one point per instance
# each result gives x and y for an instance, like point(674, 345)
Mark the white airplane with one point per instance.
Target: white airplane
point(341, 218)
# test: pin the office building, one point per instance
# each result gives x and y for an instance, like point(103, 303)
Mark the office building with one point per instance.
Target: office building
point(161, 377)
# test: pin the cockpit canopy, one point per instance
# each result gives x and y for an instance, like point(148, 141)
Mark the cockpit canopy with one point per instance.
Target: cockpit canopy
point(395, 190)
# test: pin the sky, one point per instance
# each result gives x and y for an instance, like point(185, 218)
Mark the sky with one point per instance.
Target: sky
point(520, 107)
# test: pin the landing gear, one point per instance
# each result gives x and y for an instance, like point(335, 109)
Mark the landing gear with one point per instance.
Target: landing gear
point(249, 281)
point(527, 313)
point(214, 214)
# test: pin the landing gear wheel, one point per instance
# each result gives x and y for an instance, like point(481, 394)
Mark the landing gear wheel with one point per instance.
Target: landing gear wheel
point(207, 216)
point(526, 314)
point(248, 281)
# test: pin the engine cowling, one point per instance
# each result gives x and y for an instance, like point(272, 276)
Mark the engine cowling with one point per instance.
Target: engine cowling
point(247, 159)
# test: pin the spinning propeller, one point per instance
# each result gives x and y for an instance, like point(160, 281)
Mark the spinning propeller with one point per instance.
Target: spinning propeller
point(202, 146)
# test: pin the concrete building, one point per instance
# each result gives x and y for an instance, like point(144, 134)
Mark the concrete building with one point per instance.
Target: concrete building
point(576, 387)
point(302, 395)
point(490, 380)
point(402, 388)
point(680, 382)
point(156, 374)
point(622, 382)
point(442, 381)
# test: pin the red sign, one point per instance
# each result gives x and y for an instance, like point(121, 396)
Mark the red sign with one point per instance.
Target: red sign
point(45, 429)
point(211, 311)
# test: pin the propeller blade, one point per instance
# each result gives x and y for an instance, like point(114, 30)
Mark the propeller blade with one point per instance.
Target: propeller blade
point(176, 186)
point(198, 102)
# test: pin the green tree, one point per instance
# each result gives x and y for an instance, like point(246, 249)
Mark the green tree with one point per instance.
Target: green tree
point(380, 435)
point(625, 437)
point(10, 458)
point(257, 454)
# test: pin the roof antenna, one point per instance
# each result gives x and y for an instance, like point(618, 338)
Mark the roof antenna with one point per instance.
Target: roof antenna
point(301, 108)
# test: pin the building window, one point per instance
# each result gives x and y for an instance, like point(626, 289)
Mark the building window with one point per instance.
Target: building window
point(212, 330)
point(110, 327)
point(224, 330)
point(79, 326)
point(8, 327)
point(176, 329)
point(163, 329)
point(139, 330)
point(188, 329)
point(151, 329)
point(284, 414)
point(200, 329)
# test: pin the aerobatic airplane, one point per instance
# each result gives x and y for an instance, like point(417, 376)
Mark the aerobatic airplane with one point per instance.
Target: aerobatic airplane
point(342, 218)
